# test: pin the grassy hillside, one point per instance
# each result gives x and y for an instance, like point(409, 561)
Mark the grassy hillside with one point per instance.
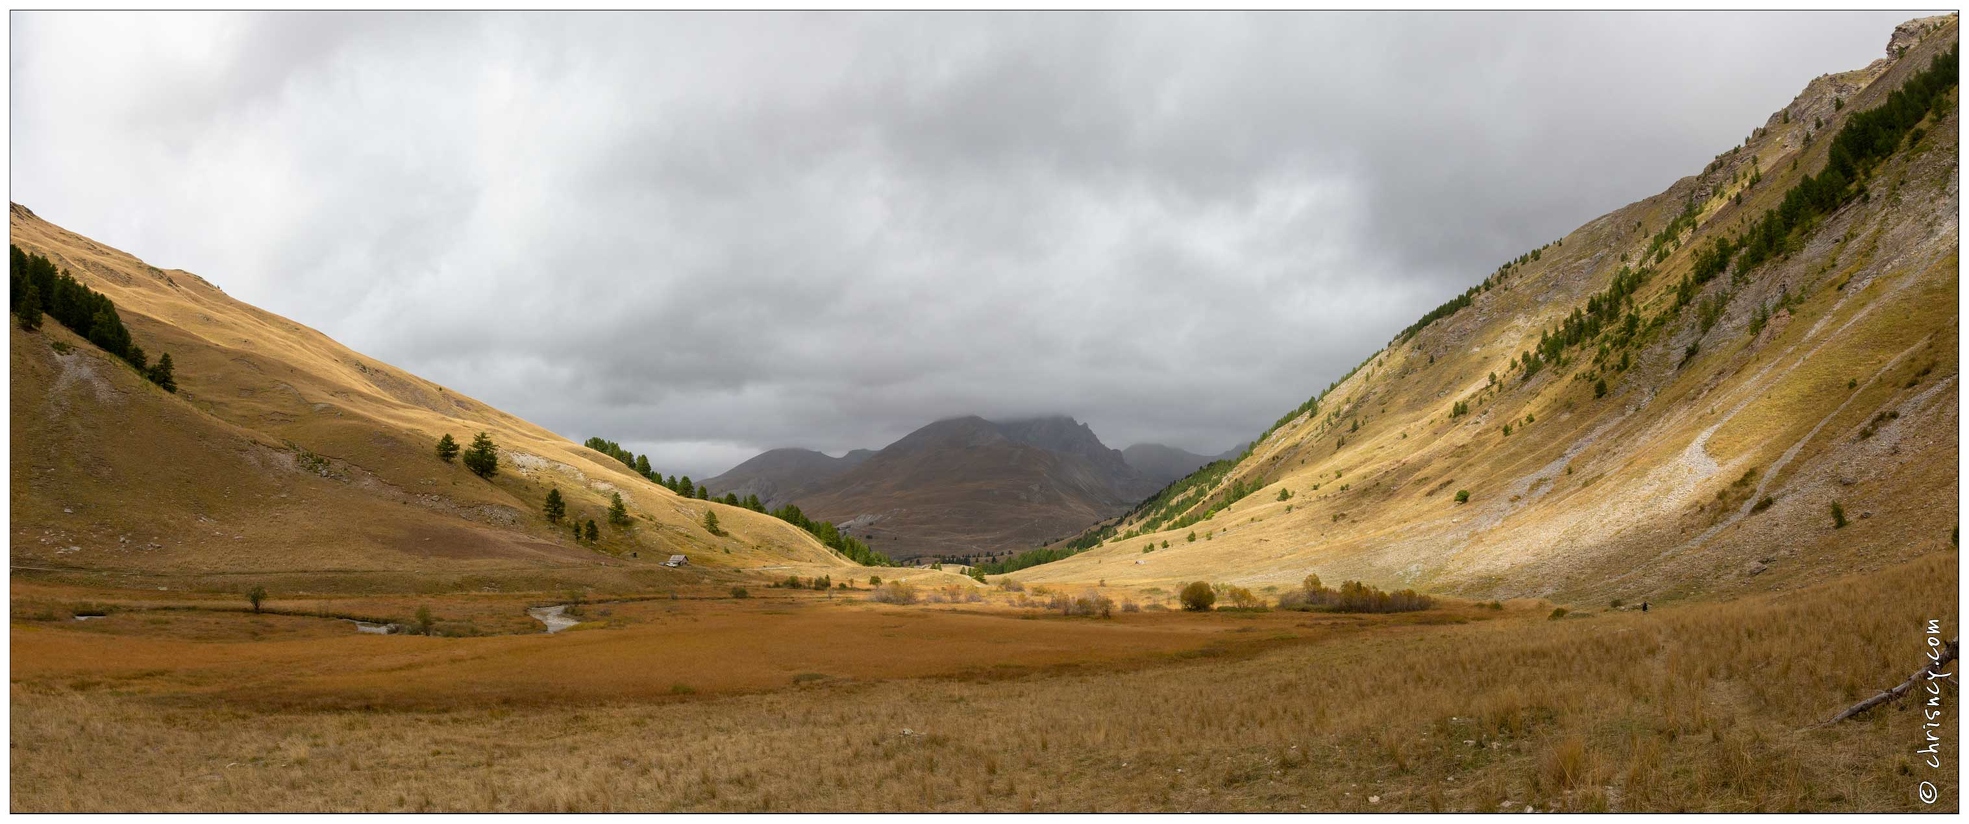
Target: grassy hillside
point(1681, 427)
point(285, 458)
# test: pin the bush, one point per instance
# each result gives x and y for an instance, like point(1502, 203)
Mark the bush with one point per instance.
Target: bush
point(875, 580)
point(1762, 505)
point(425, 621)
point(1463, 496)
point(1086, 604)
point(1838, 516)
point(895, 592)
point(256, 595)
point(1352, 596)
point(739, 592)
point(1242, 598)
point(1557, 614)
point(1198, 596)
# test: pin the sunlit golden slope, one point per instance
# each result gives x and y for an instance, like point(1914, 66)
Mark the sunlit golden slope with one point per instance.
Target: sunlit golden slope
point(1847, 395)
point(286, 452)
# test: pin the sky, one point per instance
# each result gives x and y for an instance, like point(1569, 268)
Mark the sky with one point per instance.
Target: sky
point(706, 235)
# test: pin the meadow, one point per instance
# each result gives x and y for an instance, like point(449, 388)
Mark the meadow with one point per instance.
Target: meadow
point(798, 701)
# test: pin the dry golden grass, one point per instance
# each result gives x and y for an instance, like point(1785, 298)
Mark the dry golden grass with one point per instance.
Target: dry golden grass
point(222, 478)
point(1703, 707)
point(1599, 498)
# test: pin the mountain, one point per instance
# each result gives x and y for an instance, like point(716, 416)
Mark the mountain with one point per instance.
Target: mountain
point(1167, 463)
point(968, 487)
point(1748, 381)
point(778, 476)
point(287, 457)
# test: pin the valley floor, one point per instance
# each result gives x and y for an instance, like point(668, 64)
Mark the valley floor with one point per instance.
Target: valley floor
point(795, 701)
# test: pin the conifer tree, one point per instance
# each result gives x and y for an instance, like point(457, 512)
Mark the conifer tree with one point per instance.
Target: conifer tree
point(642, 465)
point(711, 523)
point(482, 457)
point(555, 507)
point(160, 374)
point(447, 448)
point(28, 307)
point(618, 515)
point(686, 488)
point(591, 532)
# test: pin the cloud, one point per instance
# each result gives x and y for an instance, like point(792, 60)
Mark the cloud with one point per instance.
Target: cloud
point(706, 235)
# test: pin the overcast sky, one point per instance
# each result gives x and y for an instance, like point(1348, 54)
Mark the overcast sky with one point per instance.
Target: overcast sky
point(706, 235)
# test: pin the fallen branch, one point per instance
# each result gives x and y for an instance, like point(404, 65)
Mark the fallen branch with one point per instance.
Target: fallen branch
point(1933, 671)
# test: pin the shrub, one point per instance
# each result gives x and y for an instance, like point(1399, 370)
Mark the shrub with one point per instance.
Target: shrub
point(1242, 598)
point(1352, 596)
point(1838, 516)
point(1197, 596)
point(1762, 505)
point(739, 592)
point(1463, 496)
point(895, 592)
point(1088, 604)
point(875, 580)
point(1557, 614)
point(1192, 537)
point(1600, 388)
point(1130, 606)
point(425, 621)
point(256, 595)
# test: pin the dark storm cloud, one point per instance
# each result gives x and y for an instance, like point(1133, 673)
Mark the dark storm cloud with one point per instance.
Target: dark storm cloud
point(707, 235)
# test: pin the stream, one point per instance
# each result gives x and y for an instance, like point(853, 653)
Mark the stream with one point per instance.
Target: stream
point(554, 617)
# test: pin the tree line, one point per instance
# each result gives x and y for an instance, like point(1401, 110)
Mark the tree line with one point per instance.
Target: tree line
point(1864, 140)
point(34, 287)
point(849, 546)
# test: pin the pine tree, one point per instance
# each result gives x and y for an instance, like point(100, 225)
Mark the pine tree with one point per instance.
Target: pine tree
point(447, 448)
point(591, 532)
point(618, 515)
point(555, 507)
point(711, 523)
point(483, 457)
point(642, 465)
point(703, 493)
point(160, 374)
point(28, 307)
point(685, 487)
